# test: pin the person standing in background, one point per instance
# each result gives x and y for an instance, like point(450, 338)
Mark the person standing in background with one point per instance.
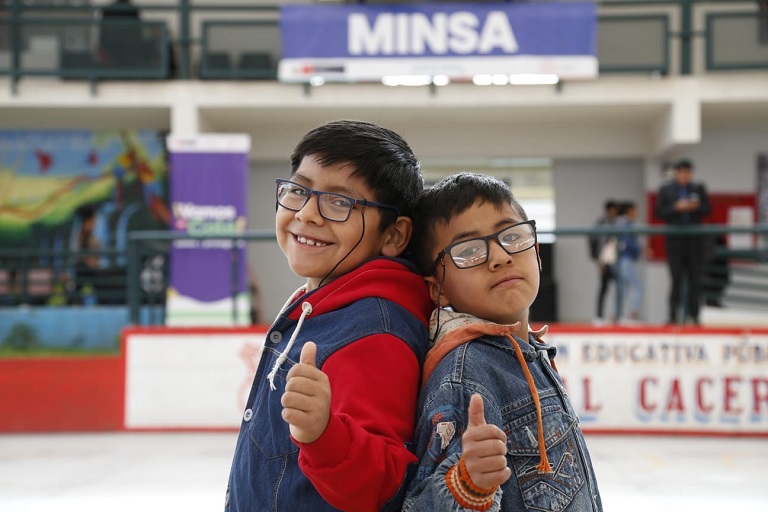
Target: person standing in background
point(599, 251)
point(682, 203)
point(629, 251)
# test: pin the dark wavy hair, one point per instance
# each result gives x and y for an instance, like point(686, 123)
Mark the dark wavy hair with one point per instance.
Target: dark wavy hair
point(381, 157)
point(448, 198)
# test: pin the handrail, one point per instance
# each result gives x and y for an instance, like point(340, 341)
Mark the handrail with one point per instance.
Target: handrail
point(139, 237)
point(694, 230)
point(118, 266)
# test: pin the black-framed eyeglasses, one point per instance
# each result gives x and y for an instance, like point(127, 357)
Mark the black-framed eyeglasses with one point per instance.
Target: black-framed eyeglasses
point(332, 206)
point(473, 252)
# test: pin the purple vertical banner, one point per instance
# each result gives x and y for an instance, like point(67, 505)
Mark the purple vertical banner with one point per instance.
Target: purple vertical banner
point(208, 196)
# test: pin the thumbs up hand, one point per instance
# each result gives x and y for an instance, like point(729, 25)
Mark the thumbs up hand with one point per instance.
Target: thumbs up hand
point(484, 448)
point(307, 397)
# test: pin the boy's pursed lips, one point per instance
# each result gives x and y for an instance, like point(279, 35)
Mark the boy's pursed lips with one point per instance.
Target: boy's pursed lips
point(507, 279)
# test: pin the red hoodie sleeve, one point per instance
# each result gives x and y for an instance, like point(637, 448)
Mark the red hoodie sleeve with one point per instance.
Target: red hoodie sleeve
point(360, 461)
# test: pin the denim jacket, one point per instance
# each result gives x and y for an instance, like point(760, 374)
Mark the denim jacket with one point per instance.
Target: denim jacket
point(266, 473)
point(483, 361)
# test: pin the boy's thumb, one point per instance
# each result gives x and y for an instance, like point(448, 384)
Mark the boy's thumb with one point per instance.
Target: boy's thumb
point(476, 411)
point(308, 354)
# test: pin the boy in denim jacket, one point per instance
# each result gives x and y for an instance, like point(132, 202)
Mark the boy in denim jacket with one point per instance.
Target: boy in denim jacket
point(332, 409)
point(496, 429)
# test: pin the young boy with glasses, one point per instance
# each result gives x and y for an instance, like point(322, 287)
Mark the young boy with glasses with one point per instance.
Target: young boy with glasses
point(496, 429)
point(331, 412)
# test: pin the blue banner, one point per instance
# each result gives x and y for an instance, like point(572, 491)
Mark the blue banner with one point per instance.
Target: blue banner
point(361, 42)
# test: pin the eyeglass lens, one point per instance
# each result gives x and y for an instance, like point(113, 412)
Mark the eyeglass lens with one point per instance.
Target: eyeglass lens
point(332, 206)
point(513, 239)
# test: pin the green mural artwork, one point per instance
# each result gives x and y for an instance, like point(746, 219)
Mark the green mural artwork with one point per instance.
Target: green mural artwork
point(51, 180)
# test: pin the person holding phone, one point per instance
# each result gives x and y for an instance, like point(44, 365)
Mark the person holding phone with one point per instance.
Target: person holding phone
point(681, 202)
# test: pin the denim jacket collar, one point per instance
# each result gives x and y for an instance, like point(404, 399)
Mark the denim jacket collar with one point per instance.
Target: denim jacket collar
point(457, 328)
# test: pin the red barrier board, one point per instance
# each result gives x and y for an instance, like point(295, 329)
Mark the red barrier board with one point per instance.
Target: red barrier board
point(62, 394)
point(624, 380)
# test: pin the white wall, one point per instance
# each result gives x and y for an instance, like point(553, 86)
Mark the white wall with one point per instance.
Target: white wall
point(725, 161)
point(581, 188)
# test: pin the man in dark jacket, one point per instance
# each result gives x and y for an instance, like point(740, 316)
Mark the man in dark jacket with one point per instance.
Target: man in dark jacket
point(681, 203)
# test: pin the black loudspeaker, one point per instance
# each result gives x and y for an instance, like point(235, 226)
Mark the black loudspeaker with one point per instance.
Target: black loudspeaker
point(547, 254)
point(544, 308)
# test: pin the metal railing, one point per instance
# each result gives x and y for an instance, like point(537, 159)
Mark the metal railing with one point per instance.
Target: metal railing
point(138, 277)
point(742, 272)
point(63, 40)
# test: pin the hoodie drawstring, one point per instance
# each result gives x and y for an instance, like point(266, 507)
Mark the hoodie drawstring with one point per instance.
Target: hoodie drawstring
point(306, 310)
point(543, 466)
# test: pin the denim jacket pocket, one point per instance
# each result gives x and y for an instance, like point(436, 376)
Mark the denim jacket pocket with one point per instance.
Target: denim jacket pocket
point(267, 429)
point(545, 491)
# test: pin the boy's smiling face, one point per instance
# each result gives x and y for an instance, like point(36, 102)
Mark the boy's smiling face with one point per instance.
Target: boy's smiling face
point(501, 289)
point(312, 244)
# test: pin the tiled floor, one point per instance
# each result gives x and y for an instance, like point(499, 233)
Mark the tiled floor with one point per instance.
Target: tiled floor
point(147, 472)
